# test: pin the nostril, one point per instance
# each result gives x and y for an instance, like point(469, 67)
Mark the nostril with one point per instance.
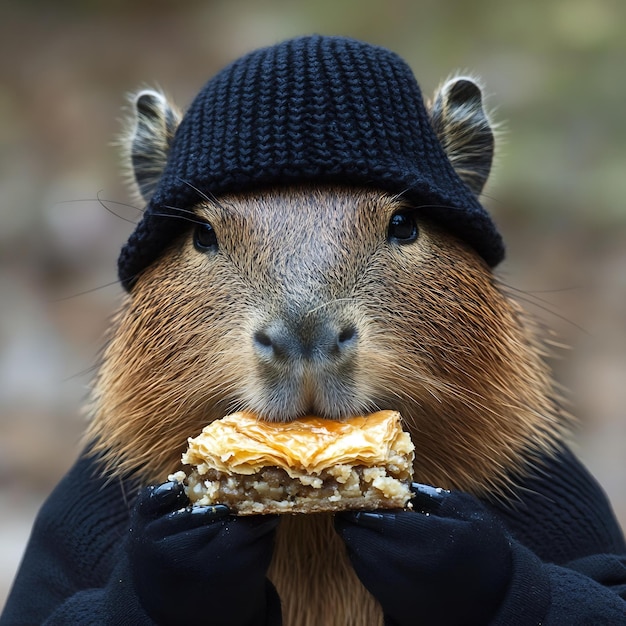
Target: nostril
point(273, 341)
point(347, 336)
point(263, 339)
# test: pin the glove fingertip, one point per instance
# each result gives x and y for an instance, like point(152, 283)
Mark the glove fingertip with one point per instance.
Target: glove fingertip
point(200, 514)
point(374, 520)
point(155, 500)
point(213, 511)
point(427, 499)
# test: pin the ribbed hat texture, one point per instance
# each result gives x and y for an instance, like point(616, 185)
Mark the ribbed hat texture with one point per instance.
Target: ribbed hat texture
point(309, 110)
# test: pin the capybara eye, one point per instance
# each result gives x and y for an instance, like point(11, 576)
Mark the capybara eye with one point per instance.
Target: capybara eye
point(402, 228)
point(204, 237)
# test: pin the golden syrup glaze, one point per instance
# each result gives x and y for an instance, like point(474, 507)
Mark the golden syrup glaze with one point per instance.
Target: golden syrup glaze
point(243, 444)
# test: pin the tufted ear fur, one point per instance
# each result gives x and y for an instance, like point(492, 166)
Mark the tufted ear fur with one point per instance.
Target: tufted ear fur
point(148, 139)
point(464, 129)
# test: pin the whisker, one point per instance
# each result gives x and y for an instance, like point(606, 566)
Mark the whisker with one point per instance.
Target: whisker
point(541, 304)
point(125, 219)
point(399, 197)
point(99, 199)
point(179, 210)
point(104, 202)
point(180, 217)
point(206, 196)
point(491, 198)
point(326, 304)
point(85, 292)
point(84, 372)
point(437, 206)
point(201, 193)
point(558, 290)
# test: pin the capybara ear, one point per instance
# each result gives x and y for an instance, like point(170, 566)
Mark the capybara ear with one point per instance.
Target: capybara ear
point(147, 139)
point(464, 129)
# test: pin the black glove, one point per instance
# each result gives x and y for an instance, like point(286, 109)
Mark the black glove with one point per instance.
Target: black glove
point(193, 565)
point(447, 562)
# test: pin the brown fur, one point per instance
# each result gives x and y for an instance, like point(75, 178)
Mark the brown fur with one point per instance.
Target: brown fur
point(314, 578)
point(434, 338)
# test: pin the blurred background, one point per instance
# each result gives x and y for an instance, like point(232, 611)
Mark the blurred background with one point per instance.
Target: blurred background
point(554, 70)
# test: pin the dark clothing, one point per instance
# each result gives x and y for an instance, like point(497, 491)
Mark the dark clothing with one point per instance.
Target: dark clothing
point(569, 554)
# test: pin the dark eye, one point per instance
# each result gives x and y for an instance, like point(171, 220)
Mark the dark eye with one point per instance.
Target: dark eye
point(204, 238)
point(402, 228)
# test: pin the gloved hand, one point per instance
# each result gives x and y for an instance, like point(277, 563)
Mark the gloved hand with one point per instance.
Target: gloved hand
point(447, 562)
point(193, 565)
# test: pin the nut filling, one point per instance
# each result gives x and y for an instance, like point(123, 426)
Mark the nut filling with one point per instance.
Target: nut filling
point(272, 490)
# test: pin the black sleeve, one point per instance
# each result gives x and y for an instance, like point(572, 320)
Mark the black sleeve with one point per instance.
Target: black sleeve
point(588, 591)
point(68, 572)
point(568, 548)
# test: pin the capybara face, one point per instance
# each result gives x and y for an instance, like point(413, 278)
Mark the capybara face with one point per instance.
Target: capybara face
point(325, 301)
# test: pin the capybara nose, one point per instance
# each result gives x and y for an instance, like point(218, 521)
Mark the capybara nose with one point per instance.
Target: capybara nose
point(317, 341)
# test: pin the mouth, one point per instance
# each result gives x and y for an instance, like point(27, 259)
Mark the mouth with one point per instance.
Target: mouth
point(330, 398)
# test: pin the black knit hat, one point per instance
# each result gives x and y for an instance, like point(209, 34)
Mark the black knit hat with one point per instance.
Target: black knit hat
point(313, 109)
